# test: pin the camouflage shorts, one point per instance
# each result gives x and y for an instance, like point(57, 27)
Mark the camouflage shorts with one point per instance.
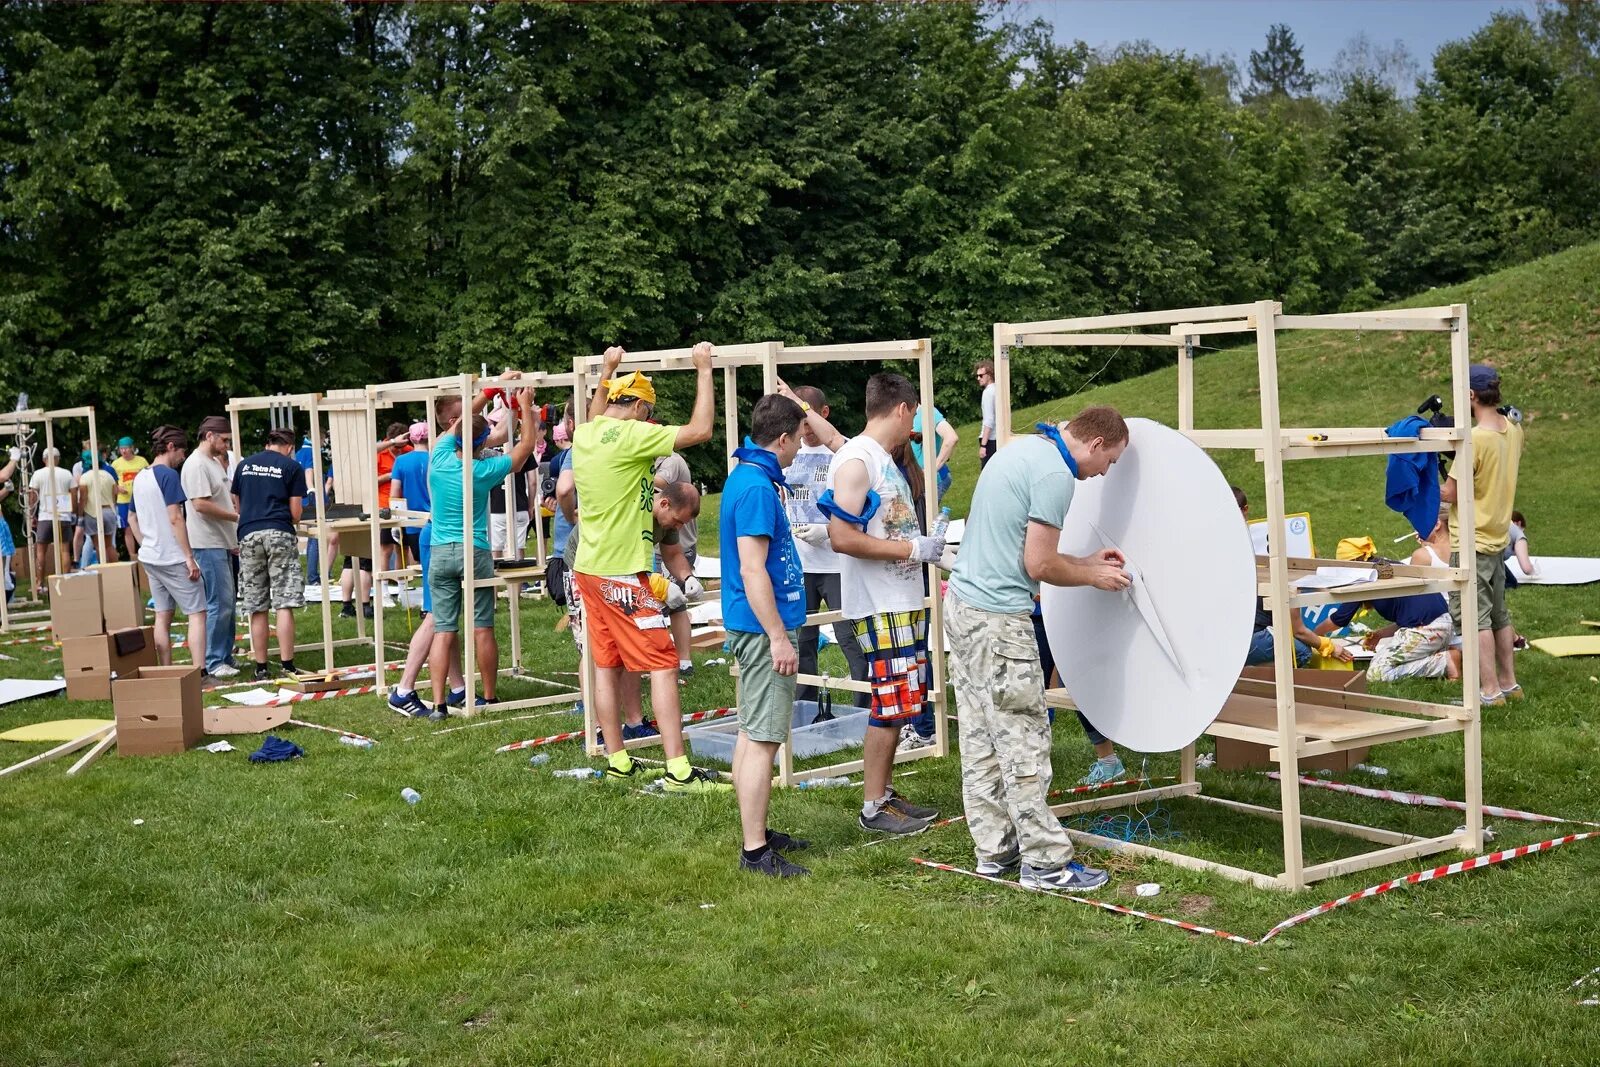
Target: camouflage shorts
point(269, 571)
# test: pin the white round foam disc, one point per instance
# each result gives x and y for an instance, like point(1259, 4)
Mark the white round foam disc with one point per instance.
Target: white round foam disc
point(1152, 666)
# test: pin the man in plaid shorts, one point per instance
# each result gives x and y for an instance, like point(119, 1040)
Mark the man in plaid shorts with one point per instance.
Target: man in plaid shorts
point(267, 492)
point(872, 524)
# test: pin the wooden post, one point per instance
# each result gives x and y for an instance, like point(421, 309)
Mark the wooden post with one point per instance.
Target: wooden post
point(469, 585)
point(930, 500)
point(1282, 611)
point(1002, 383)
point(375, 533)
point(94, 451)
point(320, 495)
point(55, 508)
point(1467, 525)
point(730, 409)
point(1186, 759)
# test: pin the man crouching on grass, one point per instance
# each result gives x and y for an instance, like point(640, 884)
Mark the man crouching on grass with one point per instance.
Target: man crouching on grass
point(763, 608)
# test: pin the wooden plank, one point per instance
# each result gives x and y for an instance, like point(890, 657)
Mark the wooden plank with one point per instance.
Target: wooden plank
point(834, 770)
point(1375, 736)
point(1227, 439)
point(1123, 800)
point(1110, 340)
point(1177, 859)
point(1350, 829)
point(61, 749)
point(1472, 739)
point(97, 751)
point(1369, 321)
point(1382, 857)
point(1349, 450)
point(1142, 318)
point(1204, 329)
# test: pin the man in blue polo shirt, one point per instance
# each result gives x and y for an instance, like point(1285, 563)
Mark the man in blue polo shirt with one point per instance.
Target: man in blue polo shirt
point(763, 607)
point(1415, 644)
point(1011, 545)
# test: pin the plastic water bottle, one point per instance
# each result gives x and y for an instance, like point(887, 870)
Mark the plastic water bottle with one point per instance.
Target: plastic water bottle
point(941, 524)
point(409, 795)
point(539, 758)
point(822, 783)
point(359, 742)
point(579, 772)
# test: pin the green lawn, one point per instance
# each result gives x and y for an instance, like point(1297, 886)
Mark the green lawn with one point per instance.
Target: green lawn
point(303, 914)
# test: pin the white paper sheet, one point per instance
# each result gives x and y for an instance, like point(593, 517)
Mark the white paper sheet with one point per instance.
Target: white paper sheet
point(1337, 577)
point(1558, 570)
point(13, 689)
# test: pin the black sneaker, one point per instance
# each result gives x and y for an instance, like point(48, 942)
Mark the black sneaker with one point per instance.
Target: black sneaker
point(910, 810)
point(439, 714)
point(784, 842)
point(263, 673)
point(366, 611)
point(348, 611)
point(893, 822)
point(772, 865)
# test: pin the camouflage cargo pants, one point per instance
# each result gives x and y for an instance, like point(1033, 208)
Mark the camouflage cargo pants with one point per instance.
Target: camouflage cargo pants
point(1005, 736)
point(269, 571)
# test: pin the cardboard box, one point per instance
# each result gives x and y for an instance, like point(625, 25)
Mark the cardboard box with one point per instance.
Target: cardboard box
point(75, 605)
point(158, 710)
point(355, 541)
point(87, 663)
point(121, 602)
point(1235, 755)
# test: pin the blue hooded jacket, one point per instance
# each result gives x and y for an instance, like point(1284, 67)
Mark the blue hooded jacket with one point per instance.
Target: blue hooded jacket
point(1412, 483)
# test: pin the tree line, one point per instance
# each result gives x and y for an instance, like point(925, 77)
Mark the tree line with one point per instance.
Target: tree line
point(199, 201)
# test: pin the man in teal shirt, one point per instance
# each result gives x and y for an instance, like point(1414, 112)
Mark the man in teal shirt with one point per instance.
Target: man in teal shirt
point(447, 566)
point(1011, 545)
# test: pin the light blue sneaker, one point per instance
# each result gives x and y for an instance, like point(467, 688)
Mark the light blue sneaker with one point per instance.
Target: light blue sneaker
point(1073, 878)
point(1106, 769)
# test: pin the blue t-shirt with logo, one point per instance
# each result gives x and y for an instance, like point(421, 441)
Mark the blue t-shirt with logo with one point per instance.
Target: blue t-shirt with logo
point(751, 508)
point(264, 484)
point(408, 480)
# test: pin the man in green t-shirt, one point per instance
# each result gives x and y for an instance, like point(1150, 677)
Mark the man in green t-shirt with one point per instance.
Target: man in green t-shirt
point(624, 612)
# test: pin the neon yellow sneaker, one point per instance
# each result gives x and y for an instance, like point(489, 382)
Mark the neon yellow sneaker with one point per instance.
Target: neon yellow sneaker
point(699, 781)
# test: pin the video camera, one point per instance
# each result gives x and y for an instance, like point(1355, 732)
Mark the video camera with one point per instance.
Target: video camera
point(1432, 409)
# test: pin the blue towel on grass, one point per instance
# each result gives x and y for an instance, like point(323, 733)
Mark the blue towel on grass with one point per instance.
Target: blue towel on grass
point(276, 750)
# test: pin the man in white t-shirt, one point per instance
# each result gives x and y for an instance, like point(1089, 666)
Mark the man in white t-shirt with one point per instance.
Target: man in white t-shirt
point(872, 524)
point(50, 495)
point(214, 537)
point(807, 479)
point(163, 534)
point(987, 442)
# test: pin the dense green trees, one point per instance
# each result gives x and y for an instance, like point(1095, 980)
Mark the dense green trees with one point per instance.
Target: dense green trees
point(199, 201)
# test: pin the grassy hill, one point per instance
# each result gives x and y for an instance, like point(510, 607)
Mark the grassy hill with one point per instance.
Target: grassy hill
point(200, 909)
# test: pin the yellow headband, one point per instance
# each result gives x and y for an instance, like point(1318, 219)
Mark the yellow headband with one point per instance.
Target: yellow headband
point(632, 384)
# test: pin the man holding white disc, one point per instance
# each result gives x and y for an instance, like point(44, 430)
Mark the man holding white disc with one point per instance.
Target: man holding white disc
point(1011, 545)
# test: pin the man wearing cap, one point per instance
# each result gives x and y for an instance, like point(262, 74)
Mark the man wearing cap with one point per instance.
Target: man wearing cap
point(1496, 455)
point(626, 623)
point(214, 537)
point(127, 466)
point(164, 550)
point(408, 486)
point(447, 569)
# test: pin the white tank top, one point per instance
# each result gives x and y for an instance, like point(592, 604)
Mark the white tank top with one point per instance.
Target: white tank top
point(1437, 562)
point(870, 586)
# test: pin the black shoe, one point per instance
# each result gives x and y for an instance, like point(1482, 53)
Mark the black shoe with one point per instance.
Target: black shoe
point(772, 865)
point(783, 842)
point(910, 810)
point(366, 611)
point(263, 674)
point(439, 714)
point(347, 612)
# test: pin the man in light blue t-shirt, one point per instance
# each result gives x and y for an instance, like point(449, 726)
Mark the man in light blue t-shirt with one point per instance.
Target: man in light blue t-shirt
point(447, 564)
point(1010, 546)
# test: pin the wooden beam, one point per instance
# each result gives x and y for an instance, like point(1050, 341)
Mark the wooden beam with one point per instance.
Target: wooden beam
point(61, 750)
point(1382, 857)
point(1176, 859)
point(93, 754)
point(1141, 318)
point(1350, 829)
point(1111, 340)
point(1123, 800)
point(1384, 323)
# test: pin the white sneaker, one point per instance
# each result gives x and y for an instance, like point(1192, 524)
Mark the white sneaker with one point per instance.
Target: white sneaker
point(224, 670)
point(910, 740)
point(999, 868)
point(1073, 878)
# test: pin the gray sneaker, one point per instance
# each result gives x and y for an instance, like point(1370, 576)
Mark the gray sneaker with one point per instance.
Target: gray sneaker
point(910, 810)
point(1073, 878)
point(1001, 867)
point(891, 820)
point(772, 865)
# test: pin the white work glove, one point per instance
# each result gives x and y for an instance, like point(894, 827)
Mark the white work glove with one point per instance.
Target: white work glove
point(15, 453)
point(927, 549)
point(692, 587)
point(812, 533)
point(676, 601)
point(947, 562)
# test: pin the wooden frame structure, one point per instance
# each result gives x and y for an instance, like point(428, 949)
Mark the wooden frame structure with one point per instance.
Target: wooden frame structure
point(316, 406)
point(428, 391)
point(34, 605)
point(1332, 720)
point(770, 356)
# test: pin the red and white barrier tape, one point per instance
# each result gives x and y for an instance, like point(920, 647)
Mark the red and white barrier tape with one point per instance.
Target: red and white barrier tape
point(536, 742)
point(1423, 800)
point(1193, 928)
point(1418, 877)
point(330, 694)
point(332, 730)
point(43, 639)
point(1588, 979)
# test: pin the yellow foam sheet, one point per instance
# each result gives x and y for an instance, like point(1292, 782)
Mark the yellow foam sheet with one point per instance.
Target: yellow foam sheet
point(1581, 645)
point(55, 730)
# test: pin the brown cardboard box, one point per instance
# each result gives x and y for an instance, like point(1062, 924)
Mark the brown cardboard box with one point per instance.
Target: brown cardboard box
point(121, 602)
point(158, 710)
point(1235, 755)
point(75, 605)
point(87, 663)
point(355, 541)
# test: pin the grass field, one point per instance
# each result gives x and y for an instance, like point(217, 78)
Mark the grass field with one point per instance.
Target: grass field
point(303, 914)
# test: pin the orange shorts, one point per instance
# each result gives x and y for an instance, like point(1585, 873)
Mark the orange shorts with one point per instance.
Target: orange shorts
point(625, 623)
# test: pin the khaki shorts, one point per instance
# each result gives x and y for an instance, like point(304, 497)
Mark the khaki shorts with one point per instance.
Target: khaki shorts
point(766, 698)
point(1492, 611)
